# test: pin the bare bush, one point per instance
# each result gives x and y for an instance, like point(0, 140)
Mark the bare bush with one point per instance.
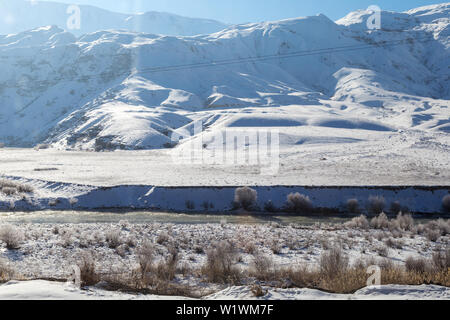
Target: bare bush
point(220, 264)
point(446, 203)
point(270, 207)
point(333, 262)
point(276, 247)
point(395, 208)
point(9, 191)
point(353, 206)
point(190, 205)
point(245, 198)
point(6, 273)
point(417, 265)
point(9, 188)
point(376, 204)
point(146, 256)
point(299, 203)
point(250, 247)
point(11, 236)
point(441, 259)
point(113, 239)
point(380, 222)
point(88, 274)
point(403, 222)
point(263, 267)
point(432, 235)
point(258, 291)
point(162, 238)
point(383, 251)
point(360, 222)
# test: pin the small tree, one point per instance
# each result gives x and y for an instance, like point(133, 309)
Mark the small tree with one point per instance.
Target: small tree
point(353, 206)
point(245, 198)
point(376, 204)
point(299, 203)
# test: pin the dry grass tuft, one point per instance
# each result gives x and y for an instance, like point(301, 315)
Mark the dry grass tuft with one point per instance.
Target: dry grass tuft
point(220, 266)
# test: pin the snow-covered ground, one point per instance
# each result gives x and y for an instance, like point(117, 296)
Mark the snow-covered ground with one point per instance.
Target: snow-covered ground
point(50, 251)
point(45, 290)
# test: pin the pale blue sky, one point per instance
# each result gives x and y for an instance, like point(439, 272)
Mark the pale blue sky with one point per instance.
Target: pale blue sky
point(239, 11)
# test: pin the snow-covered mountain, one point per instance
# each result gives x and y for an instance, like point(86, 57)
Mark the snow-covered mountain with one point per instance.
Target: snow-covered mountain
point(121, 89)
point(21, 15)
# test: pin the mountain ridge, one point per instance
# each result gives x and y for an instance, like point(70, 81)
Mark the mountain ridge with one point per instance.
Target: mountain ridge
point(111, 90)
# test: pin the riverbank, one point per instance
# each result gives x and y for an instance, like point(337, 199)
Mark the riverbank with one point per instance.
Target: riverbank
point(45, 195)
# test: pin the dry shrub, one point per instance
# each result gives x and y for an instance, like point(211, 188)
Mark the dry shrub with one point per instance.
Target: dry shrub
point(360, 222)
point(245, 198)
point(167, 268)
point(353, 206)
point(270, 207)
point(220, 266)
point(11, 236)
point(403, 222)
point(262, 267)
point(299, 203)
point(376, 204)
point(333, 262)
point(6, 273)
point(8, 191)
point(9, 188)
point(113, 239)
point(440, 225)
point(276, 247)
point(417, 265)
point(380, 222)
point(441, 259)
point(432, 235)
point(250, 247)
point(88, 274)
point(146, 256)
point(162, 238)
point(395, 207)
point(446, 203)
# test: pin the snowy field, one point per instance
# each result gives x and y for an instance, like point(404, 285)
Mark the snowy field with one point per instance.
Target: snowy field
point(372, 158)
point(45, 290)
point(49, 251)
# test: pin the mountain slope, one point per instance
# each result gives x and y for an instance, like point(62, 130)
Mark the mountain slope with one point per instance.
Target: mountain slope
point(20, 15)
point(120, 89)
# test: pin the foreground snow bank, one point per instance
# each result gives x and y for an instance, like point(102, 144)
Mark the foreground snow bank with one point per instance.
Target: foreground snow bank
point(389, 292)
point(45, 290)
